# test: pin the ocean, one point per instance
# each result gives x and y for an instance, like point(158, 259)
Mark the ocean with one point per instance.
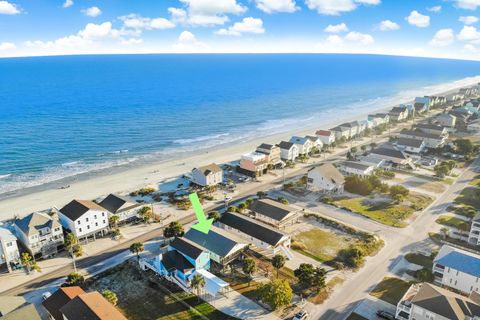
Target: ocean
point(67, 115)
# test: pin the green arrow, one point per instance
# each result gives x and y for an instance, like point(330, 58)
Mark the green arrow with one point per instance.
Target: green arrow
point(203, 224)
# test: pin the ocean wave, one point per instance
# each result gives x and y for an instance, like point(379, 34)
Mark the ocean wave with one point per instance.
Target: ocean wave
point(200, 139)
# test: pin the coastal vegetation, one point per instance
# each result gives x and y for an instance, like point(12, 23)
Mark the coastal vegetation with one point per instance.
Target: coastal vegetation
point(390, 290)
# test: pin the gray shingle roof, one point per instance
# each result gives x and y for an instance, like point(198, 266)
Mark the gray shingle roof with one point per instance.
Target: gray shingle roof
point(272, 209)
point(117, 204)
point(418, 133)
point(76, 208)
point(414, 143)
point(216, 240)
point(186, 247)
point(389, 153)
point(174, 260)
point(356, 165)
point(252, 228)
point(329, 171)
point(285, 145)
point(33, 222)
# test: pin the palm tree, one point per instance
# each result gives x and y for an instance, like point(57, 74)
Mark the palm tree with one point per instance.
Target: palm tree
point(136, 248)
point(198, 282)
point(249, 268)
point(113, 220)
point(278, 261)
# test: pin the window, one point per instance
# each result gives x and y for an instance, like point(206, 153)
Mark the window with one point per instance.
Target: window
point(57, 229)
point(104, 222)
point(103, 214)
point(86, 219)
point(78, 222)
point(88, 227)
point(96, 224)
point(9, 244)
point(95, 217)
point(79, 229)
point(455, 282)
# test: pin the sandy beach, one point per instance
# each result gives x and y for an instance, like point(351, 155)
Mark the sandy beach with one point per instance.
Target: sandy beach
point(123, 180)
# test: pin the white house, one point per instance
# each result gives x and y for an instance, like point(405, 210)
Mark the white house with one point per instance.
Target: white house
point(84, 218)
point(269, 240)
point(415, 146)
point(303, 144)
point(288, 151)
point(421, 104)
point(396, 157)
point(8, 247)
point(431, 140)
point(341, 132)
point(399, 113)
point(274, 213)
point(458, 269)
point(123, 207)
point(316, 142)
point(424, 301)
point(325, 178)
point(356, 168)
point(326, 136)
point(446, 120)
point(209, 175)
point(39, 233)
point(474, 235)
point(352, 127)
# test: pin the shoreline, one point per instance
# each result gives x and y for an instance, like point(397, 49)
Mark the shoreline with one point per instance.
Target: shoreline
point(123, 179)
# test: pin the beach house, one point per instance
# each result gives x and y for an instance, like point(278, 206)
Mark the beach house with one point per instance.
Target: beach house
point(253, 164)
point(316, 142)
point(274, 213)
point(399, 113)
point(9, 253)
point(40, 233)
point(288, 151)
point(352, 128)
point(424, 301)
point(272, 152)
point(223, 247)
point(458, 269)
point(341, 133)
point(446, 120)
point(421, 104)
point(326, 136)
point(431, 140)
point(357, 168)
point(72, 303)
point(84, 218)
point(396, 157)
point(474, 234)
point(432, 128)
point(415, 146)
point(325, 178)
point(209, 175)
point(379, 118)
point(182, 261)
point(304, 144)
point(265, 239)
point(122, 207)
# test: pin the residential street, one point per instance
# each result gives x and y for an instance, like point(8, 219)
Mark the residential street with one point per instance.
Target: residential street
point(397, 243)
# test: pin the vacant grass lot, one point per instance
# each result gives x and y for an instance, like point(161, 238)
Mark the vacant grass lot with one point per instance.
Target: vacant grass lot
point(476, 181)
point(419, 259)
point(141, 298)
point(387, 212)
point(390, 290)
point(470, 197)
point(321, 245)
point(453, 222)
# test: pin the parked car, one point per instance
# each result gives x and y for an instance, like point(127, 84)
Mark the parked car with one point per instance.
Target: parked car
point(302, 315)
point(385, 315)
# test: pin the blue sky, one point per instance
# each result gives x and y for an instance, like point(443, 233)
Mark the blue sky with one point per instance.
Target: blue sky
point(437, 28)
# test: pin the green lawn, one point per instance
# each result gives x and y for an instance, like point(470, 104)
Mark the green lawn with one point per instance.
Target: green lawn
point(140, 296)
point(419, 259)
point(454, 222)
point(390, 290)
point(320, 245)
point(387, 213)
point(470, 197)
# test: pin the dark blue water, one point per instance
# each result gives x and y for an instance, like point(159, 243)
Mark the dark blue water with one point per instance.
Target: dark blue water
point(65, 115)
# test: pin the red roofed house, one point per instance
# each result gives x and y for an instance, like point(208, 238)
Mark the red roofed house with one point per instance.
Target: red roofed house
point(326, 136)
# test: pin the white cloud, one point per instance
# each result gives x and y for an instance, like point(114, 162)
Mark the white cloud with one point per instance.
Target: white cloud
point(470, 48)
point(8, 8)
point(7, 46)
point(435, 9)
point(131, 41)
point(442, 38)
point(84, 39)
point(335, 39)
point(247, 25)
point(206, 12)
point(336, 7)
point(388, 25)
point(468, 4)
point(468, 20)
point(336, 28)
point(272, 6)
point(470, 34)
point(187, 42)
point(417, 19)
point(68, 3)
point(137, 22)
point(362, 38)
point(92, 12)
